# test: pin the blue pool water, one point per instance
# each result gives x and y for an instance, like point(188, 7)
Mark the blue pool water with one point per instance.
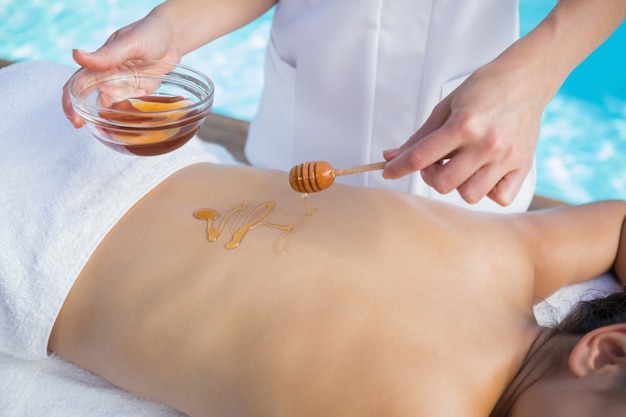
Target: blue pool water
point(581, 154)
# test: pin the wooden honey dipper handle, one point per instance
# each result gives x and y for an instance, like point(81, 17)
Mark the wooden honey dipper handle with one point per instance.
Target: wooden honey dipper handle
point(360, 168)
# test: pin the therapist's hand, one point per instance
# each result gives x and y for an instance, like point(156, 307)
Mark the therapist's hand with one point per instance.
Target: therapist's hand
point(148, 38)
point(480, 139)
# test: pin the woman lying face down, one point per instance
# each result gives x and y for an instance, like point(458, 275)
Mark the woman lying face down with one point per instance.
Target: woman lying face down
point(223, 293)
point(216, 290)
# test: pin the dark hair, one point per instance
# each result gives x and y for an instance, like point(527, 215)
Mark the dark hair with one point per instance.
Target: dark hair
point(589, 315)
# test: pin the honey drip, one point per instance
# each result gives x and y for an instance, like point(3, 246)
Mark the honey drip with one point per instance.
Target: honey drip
point(244, 221)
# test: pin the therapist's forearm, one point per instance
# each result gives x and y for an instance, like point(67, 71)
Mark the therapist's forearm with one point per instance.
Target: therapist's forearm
point(197, 22)
point(568, 35)
point(578, 27)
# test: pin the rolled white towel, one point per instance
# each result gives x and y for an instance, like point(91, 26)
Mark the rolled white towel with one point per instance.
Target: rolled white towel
point(53, 387)
point(56, 203)
point(56, 206)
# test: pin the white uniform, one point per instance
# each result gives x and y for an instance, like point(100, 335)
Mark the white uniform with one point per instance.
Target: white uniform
point(346, 79)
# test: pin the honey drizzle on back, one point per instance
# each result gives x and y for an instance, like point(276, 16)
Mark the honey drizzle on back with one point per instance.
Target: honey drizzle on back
point(239, 227)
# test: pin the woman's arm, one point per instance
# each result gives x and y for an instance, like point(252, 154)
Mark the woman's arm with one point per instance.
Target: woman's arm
point(197, 22)
point(571, 244)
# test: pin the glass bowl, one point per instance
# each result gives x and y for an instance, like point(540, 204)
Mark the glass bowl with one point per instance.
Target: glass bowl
point(143, 107)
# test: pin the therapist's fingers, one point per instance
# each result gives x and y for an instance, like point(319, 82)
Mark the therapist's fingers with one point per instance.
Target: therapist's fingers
point(114, 52)
point(151, 37)
point(508, 187)
point(474, 176)
point(84, 83)
point(490, 181)
point(119, 48)
point(450, 174)
point(68, 109)
point(420, 153)
point(452, 159)
point(471, 173)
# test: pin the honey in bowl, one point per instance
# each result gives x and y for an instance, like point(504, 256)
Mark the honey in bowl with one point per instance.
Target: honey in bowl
point(148, 125)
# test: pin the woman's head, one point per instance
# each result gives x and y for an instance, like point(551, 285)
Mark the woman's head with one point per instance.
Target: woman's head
point(576, 369)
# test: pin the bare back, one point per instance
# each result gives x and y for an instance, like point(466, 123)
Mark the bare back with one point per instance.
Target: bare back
point(382, 303)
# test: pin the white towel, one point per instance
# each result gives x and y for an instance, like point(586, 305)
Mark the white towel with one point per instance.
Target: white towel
point(56, 206)
point(53, 387)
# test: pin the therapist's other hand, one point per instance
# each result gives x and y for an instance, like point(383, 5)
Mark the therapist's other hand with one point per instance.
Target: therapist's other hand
point(479, 140)
point(149, 38)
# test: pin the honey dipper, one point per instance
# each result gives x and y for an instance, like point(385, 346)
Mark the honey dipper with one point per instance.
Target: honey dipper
point(311, 177)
